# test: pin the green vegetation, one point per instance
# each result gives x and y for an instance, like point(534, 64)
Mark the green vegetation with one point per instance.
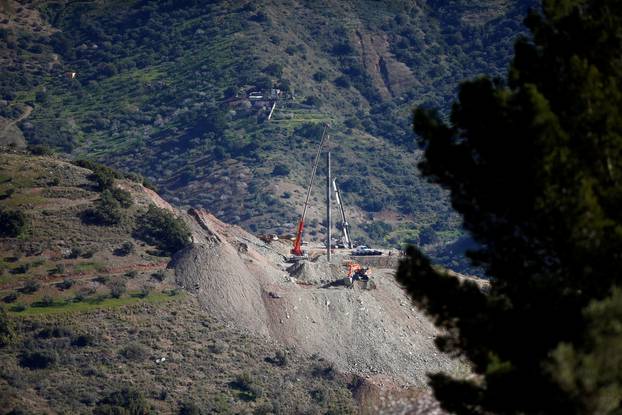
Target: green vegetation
point(168, 110)
point(159, 227)
point(12, 223)
point(107, 211)
point(533, 166)
point(85, 371)
point(7, 331)
point(94, 303)
point(125, 401)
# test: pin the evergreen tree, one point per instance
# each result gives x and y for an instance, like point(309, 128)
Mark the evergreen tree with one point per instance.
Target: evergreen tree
point(534, 166)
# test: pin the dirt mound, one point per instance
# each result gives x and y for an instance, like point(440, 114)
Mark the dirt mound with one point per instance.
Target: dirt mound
point(368, 332)
point(224, 284)
point(316, 273)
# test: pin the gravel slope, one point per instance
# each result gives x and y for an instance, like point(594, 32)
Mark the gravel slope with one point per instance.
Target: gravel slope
point(372, 333)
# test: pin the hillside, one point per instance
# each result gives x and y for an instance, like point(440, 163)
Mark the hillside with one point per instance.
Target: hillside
point(160, 90)
point(116, 298)
point(97, 323)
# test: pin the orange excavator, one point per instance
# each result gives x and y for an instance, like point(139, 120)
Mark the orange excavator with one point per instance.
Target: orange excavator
point(357, 272)
point(297, 252)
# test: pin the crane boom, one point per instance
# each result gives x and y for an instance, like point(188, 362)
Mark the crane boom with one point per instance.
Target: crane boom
point(297, 249)
point(344, 223)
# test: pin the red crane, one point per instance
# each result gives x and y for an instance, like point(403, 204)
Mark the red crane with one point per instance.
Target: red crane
point(297, 249)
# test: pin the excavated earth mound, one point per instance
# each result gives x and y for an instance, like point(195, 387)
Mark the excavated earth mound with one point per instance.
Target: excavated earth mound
point(315, 273)
point(373, 333)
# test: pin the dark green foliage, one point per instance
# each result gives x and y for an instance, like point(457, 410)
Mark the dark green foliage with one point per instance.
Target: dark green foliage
point(30, 287)
point(102, 175)
point(117, 289)
point(59, 269)
point(123, 197)
point(342, 82)
point(534, 168)
point(280, 170)
point(134, 351)
point(159, 275)
point(38, 359)
point(10, 298)
point(320, 76)
point(125, 249)
point(274, 69)
point(40, 150)
point(126, 401)
point(190, 408)
point(107, 210)
point(74, 253)
point(323, 371)
point(19, 307)
point(12, 223)
point(21, 269)
point(377, 230)
point(83, 340)
point(131, 274)
point(312, 100)
point(65, 284)
point(45, 301)
point(54, 332)
point(7, 329)
point(159, 227)
point(249, 389)
point(310, 130)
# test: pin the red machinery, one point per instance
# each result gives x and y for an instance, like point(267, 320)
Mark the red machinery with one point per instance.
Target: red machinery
point(297, 249)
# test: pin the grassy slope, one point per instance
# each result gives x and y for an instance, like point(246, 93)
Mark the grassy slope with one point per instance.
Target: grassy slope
point(203, 357)
point(173, 61)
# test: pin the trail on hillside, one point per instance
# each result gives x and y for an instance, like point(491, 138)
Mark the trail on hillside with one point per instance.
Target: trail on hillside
point(11, 134)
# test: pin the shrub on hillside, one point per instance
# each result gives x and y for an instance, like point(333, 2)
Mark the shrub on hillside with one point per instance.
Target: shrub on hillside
point(249, 389)
point(10, 298)
point(319, 76)
point(134, 351)
point(342, 82)
point(280, 170)
point(7, 331)
point(279, 359)
point(104, 176)
point(125, 401)
point(83, 340)
point(310, 130)
point(30, 287)
point(117, 289)
point(38, 359)
point(274, 69)
point(190, 408)
point(123, 197)
point(40, 150)
point(159, 275)
point(160, 228)
point(107, 211)
point(125, 249)
point(12, 223)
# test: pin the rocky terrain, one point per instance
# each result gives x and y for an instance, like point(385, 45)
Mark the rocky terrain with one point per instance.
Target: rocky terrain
point(225, 323)
point(370, 332)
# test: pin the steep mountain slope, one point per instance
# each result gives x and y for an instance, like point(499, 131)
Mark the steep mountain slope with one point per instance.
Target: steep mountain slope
point(95, 322)
point(368, 329)
point(160, 89)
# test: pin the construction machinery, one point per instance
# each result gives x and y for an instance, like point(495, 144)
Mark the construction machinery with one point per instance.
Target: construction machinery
point(356, 273)
point(297, 252)
point(347, 242)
